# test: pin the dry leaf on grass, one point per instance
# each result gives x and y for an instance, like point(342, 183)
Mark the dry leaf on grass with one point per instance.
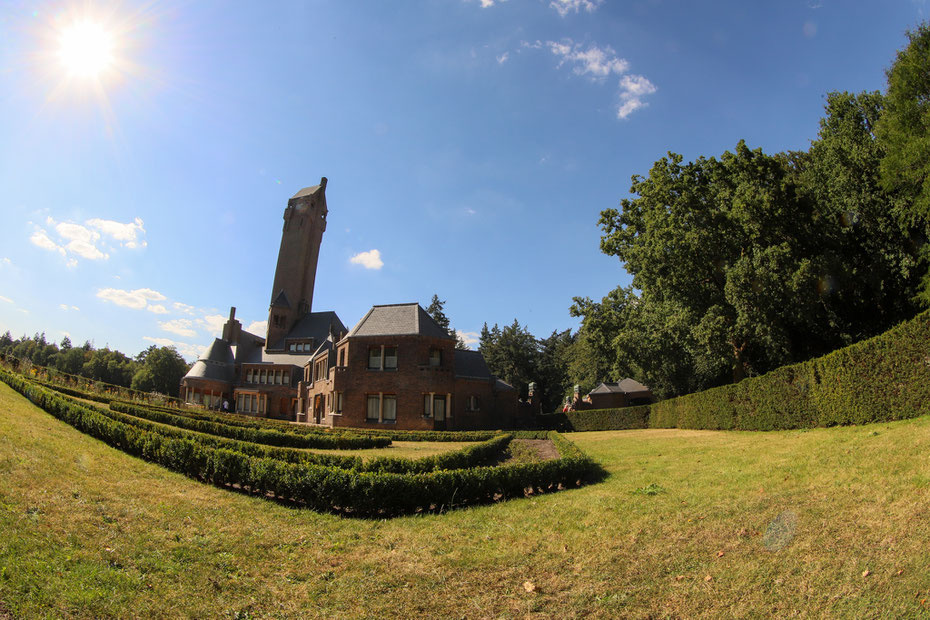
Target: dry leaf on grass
point(529, 586)
point(708, 578)
point(866, 573)
point(720, 554)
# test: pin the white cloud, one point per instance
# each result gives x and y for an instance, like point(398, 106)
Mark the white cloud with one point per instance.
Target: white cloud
point(259, 328)
point(369, 260)
point(6, 299)
point(86, 250)
point(137, 299)
point(183, 308)
point(74, 232)
point(157, 309)
point(599, 62)
point(564, 7)
point(66, 307)
point(88, 240)
point(212, 323)
point(469, 338)
point(632, 90)
point(503, 58)
point(181, 327)
point(40, 238)
point(127, 234)
point(190, 351)
point(6, 261)
point(470, 211)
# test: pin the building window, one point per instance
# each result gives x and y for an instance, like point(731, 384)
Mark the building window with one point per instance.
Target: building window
point(248, 376)
point(427, 404)
point(338, 402)
point(390, 358)
point(277, 377)
point(381, 408)
point(293, 347)
point(382, 358)
point(472, 404)
point(374, 408)
point(389, 408)
point(435, 357)
point(286, 380)
point(342, 356)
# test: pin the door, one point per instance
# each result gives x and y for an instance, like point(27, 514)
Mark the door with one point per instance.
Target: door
point(318, 408)
point(439, 412)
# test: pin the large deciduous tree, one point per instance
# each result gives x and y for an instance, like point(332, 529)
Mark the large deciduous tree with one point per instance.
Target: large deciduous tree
point(161, 371)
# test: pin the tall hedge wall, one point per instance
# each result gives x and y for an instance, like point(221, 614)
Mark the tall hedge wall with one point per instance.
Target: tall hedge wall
point(884, 378)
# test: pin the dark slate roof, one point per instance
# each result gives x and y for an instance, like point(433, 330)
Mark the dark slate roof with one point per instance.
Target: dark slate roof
point(398, 320)
point(328, 346)
point(218, 351)
point(217, 362)
point(502, 386)
point(248, 344)
point(316, 325)
point(281, 301)
point(627, 386)
point(471, 364)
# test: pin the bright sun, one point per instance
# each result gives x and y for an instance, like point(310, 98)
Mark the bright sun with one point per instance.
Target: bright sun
point(86, 49)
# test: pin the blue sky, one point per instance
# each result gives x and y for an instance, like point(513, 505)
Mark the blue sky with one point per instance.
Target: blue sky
point(470, 143)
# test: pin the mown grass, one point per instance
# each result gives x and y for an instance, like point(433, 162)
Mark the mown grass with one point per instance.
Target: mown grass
point(88, 531)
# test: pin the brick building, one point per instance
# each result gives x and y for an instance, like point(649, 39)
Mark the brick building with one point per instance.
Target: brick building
point(396, 367)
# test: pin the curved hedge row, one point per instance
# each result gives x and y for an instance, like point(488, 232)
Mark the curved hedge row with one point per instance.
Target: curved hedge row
point(884, 378)
point(268, 437)
point(318, 486)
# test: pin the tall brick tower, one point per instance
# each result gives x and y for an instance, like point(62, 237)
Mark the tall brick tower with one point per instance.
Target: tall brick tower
point(292, 292)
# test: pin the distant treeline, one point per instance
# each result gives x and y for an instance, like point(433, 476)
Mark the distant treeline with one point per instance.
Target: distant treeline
point(156, 369)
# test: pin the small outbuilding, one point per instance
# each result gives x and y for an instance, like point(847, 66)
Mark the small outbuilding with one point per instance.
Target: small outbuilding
point(625, 393)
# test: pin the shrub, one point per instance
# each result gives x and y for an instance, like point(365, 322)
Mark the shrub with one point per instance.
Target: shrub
point(884, 378)
point(316, 485)
point(255, 435)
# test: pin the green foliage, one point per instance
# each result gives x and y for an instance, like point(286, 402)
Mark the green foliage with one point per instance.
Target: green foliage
point(311, 483)
point(884, 378)
point(904, 128)
point(269, 437)
point(512, 353)
point(651, 489)
point(162, 370)
point(608, 419)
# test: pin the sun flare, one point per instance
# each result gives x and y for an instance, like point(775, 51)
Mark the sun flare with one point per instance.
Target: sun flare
point(86, 49)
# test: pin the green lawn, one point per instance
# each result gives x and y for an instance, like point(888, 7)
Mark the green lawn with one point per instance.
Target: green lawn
point(689, 524)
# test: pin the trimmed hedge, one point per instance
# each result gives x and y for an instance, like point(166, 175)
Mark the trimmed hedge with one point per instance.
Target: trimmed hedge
point(319, 486)
point(877, 380)
point(255, 435)
point(598, 419)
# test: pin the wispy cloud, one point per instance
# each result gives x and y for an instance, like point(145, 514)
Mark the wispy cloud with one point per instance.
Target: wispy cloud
point(6, 300)
point(469, 338)
point(259, 328)
point(183, 308)
point(564, 7)
point(92, 240)
point(212, 323)
point(181, 327)
point(503, 58)
point(369, 260)
point(137, 299)
point(632, 90)
point(598, 64)
point(66, 307)
point(189, 351)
